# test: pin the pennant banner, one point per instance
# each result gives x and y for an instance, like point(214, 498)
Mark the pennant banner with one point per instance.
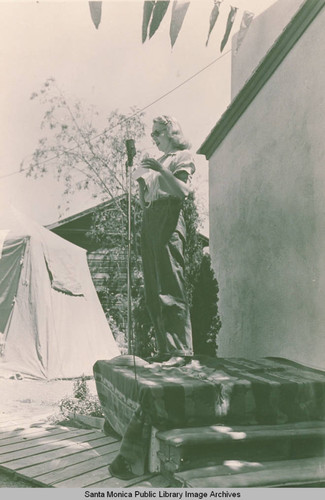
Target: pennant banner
point(230, 22)
point(159, 11)
point(244, 25)
point(213, 18)
point(147, 11)
point(96, 12)
point(178, 15)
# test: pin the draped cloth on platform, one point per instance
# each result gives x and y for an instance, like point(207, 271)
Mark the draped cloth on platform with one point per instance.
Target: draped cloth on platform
point(205, 392)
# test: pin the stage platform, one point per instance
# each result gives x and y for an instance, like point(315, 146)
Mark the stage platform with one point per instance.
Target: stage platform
point(209, 391)
point(268, 429)
point(213, 411)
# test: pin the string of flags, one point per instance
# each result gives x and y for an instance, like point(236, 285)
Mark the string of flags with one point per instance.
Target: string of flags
point(213, 19)
point(179, 11)
point(244, 25)
point(154, 12)
point(96, 12)
point(230, 22)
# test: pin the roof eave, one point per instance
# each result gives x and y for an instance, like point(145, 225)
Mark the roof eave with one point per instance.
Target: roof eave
point(84, 213)
point(288, 38)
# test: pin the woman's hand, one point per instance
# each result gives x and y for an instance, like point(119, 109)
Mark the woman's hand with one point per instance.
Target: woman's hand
point(175, 187)
point(152, 164)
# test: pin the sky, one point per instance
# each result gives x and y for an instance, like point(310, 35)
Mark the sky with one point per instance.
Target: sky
point(109, 68)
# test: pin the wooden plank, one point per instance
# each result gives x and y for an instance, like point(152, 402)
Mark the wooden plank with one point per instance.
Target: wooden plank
point(23, 451)
point(64, 451)
point(30, 430)
point(15, 427)
point(71, 471)
point(32, 433)
point(85, 479)
point(24, 444)
point(83, 441)
point(67, 461)
point(272, 474)
point(40, 433)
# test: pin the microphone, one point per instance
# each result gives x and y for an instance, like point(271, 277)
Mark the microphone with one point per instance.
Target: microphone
point(131, 151)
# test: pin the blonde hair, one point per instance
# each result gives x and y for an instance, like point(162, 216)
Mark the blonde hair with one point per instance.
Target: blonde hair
point(174, 131)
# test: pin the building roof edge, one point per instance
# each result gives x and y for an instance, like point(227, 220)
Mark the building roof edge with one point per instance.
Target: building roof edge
point(83, 213)
point(279, 50)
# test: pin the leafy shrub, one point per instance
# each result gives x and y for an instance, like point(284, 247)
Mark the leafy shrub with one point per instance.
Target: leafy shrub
point(205, 318)
point(80, 388)
point(82, 402)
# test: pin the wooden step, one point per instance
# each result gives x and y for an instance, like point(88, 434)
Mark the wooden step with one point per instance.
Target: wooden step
point(240, 474)
point(182, 449)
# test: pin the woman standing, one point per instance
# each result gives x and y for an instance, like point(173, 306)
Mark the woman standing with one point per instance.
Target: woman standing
point(162, 191)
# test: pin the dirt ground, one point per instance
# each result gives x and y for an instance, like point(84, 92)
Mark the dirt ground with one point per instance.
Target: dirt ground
point(32, 401)
point(35, 398)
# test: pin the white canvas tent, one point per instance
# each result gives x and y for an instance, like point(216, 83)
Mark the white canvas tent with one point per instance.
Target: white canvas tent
point(51, 321)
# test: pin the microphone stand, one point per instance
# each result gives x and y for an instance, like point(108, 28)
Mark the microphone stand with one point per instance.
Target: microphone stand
point(130, 147)
point(129, 323)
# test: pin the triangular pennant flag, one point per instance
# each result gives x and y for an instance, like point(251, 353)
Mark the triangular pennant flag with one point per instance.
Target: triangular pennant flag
point(147, 11)
point(213, 18)
point(244, 25)
point(178, 15)
point(96, 12)
point(159, 11)
point(230, 22)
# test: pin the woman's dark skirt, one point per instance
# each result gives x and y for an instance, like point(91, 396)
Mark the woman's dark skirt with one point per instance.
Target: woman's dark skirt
point(162, 243)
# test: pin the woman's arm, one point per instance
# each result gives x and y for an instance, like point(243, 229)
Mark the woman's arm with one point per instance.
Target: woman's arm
point(176, 186)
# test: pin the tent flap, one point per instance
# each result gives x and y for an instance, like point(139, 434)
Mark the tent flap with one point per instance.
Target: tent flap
point(10, 269)
point(63, 272)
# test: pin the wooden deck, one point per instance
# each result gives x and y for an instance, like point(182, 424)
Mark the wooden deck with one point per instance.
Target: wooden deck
point(56, 456)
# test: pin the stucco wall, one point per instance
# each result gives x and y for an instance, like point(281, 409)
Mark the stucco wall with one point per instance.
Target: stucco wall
point(267, 214)
point(261, 35)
